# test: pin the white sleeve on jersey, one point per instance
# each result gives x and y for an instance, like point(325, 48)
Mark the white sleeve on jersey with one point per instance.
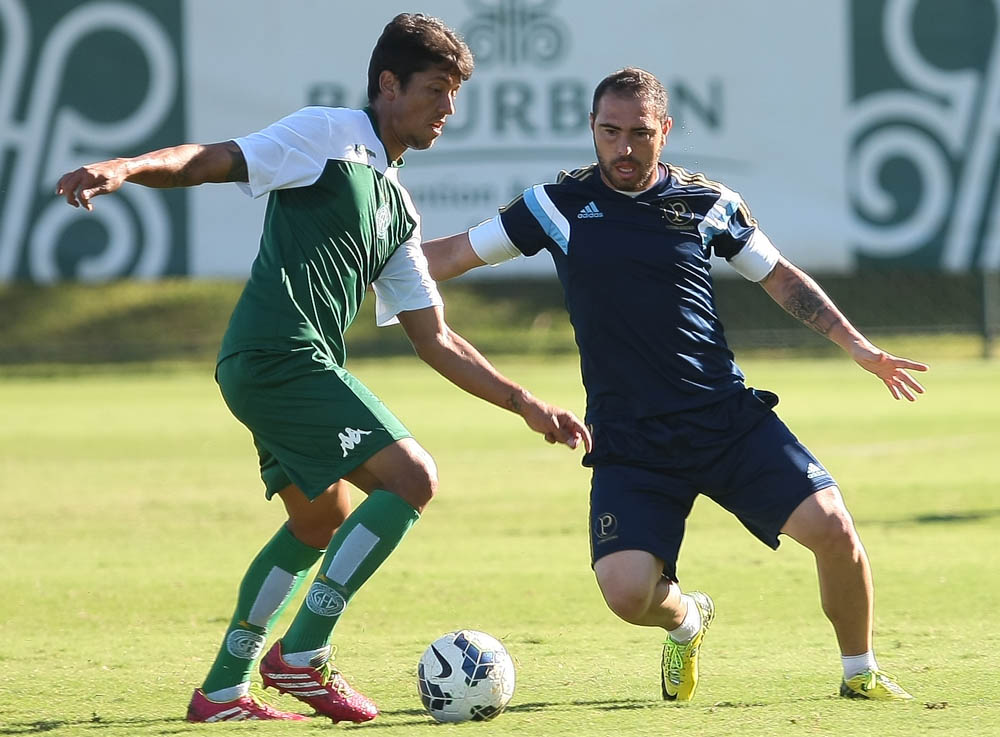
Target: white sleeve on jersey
point(404, 284)
point(757, 258)
point(289, 153)
point(491, 243)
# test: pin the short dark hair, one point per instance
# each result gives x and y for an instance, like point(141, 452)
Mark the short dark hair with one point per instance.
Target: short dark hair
point(414, 42)
point(634, 82)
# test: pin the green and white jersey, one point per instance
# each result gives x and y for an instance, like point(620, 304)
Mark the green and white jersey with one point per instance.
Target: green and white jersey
point(337, 220)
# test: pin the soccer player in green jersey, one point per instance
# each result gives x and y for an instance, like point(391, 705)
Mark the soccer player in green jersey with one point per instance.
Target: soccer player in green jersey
point(337, 221)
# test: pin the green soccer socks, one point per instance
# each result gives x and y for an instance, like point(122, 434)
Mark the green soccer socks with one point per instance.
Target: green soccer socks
point(359, 547)
point(269, 582)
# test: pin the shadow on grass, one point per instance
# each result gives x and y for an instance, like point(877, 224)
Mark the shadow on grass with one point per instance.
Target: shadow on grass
point(599, 704)
point(938, 519)
point(419, 716)
point(75, 726)
point(401, 717)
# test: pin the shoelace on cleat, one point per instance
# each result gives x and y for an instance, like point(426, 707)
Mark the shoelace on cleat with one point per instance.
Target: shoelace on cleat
point(330, 676)
point(260, 700)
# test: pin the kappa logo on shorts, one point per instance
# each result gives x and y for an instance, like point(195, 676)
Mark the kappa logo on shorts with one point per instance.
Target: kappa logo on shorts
point(350, 438)
point(606, 525)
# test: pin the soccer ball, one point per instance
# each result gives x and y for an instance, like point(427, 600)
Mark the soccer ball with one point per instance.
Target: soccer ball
point(465, 675)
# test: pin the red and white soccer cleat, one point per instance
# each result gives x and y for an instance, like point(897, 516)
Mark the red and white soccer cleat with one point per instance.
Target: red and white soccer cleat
point(323, 688)
point(201, 709)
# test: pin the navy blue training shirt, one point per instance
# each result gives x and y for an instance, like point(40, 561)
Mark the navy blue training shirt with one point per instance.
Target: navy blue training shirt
point(637, 283)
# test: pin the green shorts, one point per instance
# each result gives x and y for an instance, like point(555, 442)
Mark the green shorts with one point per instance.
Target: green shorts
point(312, 422)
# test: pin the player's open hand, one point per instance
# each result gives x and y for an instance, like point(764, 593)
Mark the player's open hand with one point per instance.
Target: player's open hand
point(80, 186)
point(555, 424)
point(893, 371)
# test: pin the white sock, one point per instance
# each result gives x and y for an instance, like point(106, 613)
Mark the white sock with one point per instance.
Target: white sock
point(854, 664)
point(687, 629)
point(315, 658)
point(229, 694)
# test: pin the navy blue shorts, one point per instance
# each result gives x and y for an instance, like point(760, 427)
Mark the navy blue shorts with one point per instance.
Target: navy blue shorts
point(737, 452)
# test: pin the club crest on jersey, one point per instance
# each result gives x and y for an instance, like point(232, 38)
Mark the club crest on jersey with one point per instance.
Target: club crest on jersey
point(677, 214)
point(383, 217)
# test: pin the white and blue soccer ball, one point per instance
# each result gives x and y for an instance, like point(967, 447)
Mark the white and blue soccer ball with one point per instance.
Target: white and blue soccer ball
point(465, 675)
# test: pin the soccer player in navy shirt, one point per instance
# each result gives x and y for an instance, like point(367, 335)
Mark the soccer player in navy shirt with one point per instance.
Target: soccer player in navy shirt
point(631, 239)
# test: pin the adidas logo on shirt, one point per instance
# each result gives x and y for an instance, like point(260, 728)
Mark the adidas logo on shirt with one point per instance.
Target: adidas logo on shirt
point(813, 471)
point(590, 211)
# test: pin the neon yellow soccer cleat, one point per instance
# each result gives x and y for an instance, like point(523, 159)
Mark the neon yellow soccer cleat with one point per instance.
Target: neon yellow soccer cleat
point(679, 669)
point(875, 685)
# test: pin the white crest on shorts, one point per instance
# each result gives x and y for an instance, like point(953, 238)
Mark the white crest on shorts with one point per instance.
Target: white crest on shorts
point(324, 600)
point(351, 437)
point(606, 525)
point(244, 644)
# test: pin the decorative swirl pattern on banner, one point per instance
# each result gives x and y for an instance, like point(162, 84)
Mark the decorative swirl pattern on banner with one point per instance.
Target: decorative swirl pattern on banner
point(53, 137)
point(515, 31)
point(946, 127)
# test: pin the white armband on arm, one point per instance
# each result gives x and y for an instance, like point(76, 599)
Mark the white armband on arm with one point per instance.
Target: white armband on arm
point(491, 243)
point(757, 258)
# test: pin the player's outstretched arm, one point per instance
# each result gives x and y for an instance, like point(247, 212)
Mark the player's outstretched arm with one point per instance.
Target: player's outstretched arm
point(450, 256)
point(186, 165)
point(457, 360)
point(803, 298)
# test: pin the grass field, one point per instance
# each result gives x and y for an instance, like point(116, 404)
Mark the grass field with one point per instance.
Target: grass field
point(131, 507)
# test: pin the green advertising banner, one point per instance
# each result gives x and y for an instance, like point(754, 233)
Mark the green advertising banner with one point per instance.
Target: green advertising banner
point(864, 134)
point(925, 133)
point(85, 81)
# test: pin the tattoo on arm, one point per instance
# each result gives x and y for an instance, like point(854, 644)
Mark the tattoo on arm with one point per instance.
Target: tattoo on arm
point(514, 403)
point(811, 307)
